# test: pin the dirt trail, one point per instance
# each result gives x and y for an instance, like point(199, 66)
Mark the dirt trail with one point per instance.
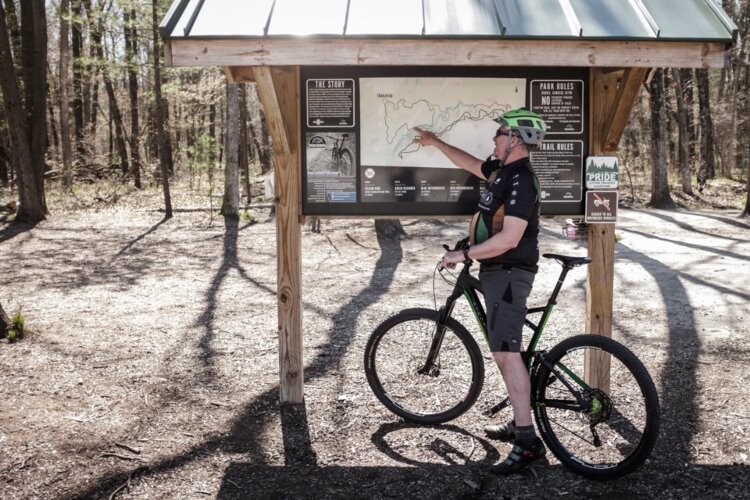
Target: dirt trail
point(160, 337)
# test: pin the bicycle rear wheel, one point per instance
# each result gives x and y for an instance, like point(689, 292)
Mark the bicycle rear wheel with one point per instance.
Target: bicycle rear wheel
point(396, 367)
point(600, 430)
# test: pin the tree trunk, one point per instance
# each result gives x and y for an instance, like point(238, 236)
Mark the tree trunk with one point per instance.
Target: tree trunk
point(96, 28)
point(77, 52)
point(168, 151)
point(707, 169)
point(687, 80)
point(670, 116)
point(244, 151)
point(390, 229)
point(14, 31)
point(162, 137)
point(684, 144)
point(90, 110)
point(53, 138)
point(116, 116)
point(64, 111)
point(4, 163)
point(265, 149)
point(131, 51)
point(660, 197)
point(34, 56)
point(32, 209)
point(257, 146)
point(738, 61)
point(231, 204)
point(5, 321)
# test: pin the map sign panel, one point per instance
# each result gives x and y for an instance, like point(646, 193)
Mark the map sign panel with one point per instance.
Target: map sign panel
point(358, 125)
point(458, 110)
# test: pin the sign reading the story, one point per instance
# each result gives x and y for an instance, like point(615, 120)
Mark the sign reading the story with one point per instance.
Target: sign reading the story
point(601, 207)
point(330, 103)
point(602, 172)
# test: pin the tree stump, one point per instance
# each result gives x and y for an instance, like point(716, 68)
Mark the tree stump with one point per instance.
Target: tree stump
point(4, 323)
point(390, 229)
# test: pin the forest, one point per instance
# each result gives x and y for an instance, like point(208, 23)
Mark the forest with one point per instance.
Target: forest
point(87, 99)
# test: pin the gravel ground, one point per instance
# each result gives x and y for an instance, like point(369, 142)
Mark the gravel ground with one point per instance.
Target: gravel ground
point(153, 368)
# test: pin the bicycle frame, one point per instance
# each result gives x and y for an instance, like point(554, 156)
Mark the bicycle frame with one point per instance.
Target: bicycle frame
point(470, 287)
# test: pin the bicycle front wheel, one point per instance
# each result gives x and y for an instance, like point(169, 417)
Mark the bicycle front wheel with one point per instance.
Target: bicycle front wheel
point(601, 429)
point(411, 385)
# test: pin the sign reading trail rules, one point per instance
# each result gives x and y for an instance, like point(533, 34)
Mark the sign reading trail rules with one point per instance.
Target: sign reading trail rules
point(601, 207)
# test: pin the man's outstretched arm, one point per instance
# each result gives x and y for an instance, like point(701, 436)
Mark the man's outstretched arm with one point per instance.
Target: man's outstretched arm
point(459, 157)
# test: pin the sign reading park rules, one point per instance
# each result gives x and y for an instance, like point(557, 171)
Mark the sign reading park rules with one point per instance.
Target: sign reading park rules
point(560, 102)
point(601, 207)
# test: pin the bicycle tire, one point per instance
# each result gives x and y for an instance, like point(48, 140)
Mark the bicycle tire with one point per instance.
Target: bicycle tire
point(398, 348)
point(346, 166)
point(626, 417)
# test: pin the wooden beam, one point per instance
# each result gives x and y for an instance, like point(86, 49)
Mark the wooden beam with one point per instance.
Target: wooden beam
point(619, 113)
point(278, 89)
point(240, 74)
point(601, 238)
point(274, 115)
point(447, 52)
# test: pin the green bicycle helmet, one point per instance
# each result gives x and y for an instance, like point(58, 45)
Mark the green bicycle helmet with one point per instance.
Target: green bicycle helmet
point(529, 126)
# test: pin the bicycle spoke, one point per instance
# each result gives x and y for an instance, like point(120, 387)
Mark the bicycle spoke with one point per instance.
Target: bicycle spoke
point(572, 432)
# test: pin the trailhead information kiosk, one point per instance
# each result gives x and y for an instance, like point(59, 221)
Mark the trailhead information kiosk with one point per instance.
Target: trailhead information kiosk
point(342, 81)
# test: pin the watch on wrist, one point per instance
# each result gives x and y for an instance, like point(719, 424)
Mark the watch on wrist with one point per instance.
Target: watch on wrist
point(466, 253)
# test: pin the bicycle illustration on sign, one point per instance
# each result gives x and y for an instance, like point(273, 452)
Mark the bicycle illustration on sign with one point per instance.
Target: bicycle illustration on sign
point(330, 155)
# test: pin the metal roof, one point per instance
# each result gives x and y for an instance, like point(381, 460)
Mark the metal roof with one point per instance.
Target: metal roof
point(668, 20)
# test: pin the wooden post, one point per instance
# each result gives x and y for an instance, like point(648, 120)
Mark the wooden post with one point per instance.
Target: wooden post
point(612, 96)
point(278, 89)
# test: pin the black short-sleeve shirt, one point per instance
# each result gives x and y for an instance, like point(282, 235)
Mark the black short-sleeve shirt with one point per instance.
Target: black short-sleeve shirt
point(511, 189)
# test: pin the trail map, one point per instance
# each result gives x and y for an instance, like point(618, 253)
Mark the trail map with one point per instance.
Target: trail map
point(458, 110)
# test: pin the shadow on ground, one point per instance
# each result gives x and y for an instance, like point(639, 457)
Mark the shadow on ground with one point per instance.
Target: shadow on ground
point(247, 480)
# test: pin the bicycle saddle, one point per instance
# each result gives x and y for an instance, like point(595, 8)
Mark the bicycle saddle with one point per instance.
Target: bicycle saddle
point(568, 261)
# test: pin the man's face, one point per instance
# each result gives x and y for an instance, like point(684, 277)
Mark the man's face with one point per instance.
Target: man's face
point(501, 139)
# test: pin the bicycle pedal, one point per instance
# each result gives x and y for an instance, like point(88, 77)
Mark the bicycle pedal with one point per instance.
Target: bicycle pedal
point(497, 408)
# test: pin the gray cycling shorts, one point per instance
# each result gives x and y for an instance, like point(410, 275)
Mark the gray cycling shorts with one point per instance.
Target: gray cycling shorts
point(505, 294)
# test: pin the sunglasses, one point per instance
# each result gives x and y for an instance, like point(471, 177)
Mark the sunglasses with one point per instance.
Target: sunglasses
point(504, 132)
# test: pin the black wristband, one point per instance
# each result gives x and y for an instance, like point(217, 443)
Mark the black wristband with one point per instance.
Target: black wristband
point(466, 253)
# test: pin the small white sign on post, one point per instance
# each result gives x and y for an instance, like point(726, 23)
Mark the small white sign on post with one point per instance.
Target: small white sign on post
point(602, 172)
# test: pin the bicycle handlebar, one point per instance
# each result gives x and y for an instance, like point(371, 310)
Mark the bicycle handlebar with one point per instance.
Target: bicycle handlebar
point(567, 262)
point(460, 245)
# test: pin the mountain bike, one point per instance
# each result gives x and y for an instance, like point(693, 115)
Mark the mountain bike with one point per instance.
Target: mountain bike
point(594, 402)
point(342, 158)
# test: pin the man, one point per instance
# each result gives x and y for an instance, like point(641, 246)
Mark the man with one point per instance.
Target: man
point(503, 238)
